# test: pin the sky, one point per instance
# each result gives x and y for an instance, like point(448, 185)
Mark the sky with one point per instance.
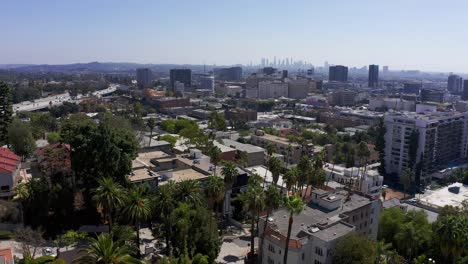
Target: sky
point(427, 35)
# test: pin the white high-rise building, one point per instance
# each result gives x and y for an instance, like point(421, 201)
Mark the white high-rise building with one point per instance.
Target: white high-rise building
point(272, 89)
point(425, 142)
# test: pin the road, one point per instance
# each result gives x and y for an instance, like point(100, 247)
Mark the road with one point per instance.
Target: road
point(58, 100)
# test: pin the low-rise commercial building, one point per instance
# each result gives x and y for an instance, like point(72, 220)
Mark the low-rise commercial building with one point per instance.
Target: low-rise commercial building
point(255, 155)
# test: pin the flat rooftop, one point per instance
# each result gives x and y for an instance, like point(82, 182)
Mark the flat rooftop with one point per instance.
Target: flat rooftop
point(242, 147)
point(313, 215)
point(222, 147)
point(277, 139)
point(442, 197)
point(144, 158)
point(180, 175)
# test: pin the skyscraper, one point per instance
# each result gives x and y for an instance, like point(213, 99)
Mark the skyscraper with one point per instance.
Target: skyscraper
point(373, 75)
point(181, 75)
point(338, 73)
point(385, 70)
point(465, 90)
point(143, 77)
point(229, 74)
point(455, 83)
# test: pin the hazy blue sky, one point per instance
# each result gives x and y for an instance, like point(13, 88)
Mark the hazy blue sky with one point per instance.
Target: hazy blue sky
point(406, 34)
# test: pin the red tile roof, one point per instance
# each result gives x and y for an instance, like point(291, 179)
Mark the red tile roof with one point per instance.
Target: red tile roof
point(8, 160)
point(7, 255)
point(293, 243)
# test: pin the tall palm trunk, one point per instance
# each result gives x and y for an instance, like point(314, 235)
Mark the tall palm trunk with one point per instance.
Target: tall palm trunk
point(137, 229)
point(260, 248)
point(286, 248)
point(252, 237)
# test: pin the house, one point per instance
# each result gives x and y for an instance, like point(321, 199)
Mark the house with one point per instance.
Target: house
point(10, 165)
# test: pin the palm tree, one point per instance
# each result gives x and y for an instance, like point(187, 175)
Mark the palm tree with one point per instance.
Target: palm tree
point(274, 166)
point(214, 192)
point(215, 156)
point(104, 250)
point(406, 179)
point(229, 172)
point(272, 201)
point(305, 169)
point(181, 217)
point(253, 200)
point(270, 148)
point(290, 178)
point(452, 235)
point(363, 153)
point(384, 193)
point(151, 124)
point(163, 204)
point(137, 208)
point(108, 196)
point(189, 191)
point(294, 205)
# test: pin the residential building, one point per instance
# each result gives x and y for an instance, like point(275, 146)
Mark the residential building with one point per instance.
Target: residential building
point(432, 95)
point(181, 75)
point(298, 88)
point(338, 73)
point(272, 89)
point(366, 180)
point(10, 165)
point(373, 80)
point(226, 152)
point(231, 90)
point(290, 150)
point(229, 74)
point(240, 115)
point(207, 82)
point(325, 219)
point(412, 88)
point(144, 76)
point(455, 83)
point(440, 142)
point(164, 103)
point(391, 103)
point(344, 98)
point(255, 154)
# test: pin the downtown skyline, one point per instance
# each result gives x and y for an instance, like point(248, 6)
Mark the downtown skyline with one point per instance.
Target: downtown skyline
point(417, 35)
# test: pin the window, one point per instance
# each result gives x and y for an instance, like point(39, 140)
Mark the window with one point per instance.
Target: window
point(303, 256)
point(317, 262)
point(271, 248)
point(5, 187)
point(318, 251)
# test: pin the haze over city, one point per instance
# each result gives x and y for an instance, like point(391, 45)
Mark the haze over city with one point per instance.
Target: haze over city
point(424, 35)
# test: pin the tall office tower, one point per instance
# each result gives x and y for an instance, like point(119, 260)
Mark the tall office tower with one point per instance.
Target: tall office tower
point(287, 62)
point(438, 138)
point(454, 83)
point(338, 73)
point(207, 82)
point(143, 77)
point(373, 75)
point(229, 74)
point(465, 90)
point(385, 70)
point(274, 60)
point(267, 63)
point(181, 75)
point(325, 65)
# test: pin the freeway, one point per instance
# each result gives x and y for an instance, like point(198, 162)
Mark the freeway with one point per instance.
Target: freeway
point(57, 100)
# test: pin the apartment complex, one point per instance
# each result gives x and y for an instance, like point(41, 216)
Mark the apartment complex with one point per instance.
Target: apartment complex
point(290, 150)
point(315, 231)
point(255, 155)
point(441, 142)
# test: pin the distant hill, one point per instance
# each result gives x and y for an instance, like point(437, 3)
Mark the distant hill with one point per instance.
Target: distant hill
point(103, 67)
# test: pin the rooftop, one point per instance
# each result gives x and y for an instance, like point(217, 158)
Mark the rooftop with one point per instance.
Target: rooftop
point(443, 196)
point(314, 216)
point(181, 175)
point(242, 147)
